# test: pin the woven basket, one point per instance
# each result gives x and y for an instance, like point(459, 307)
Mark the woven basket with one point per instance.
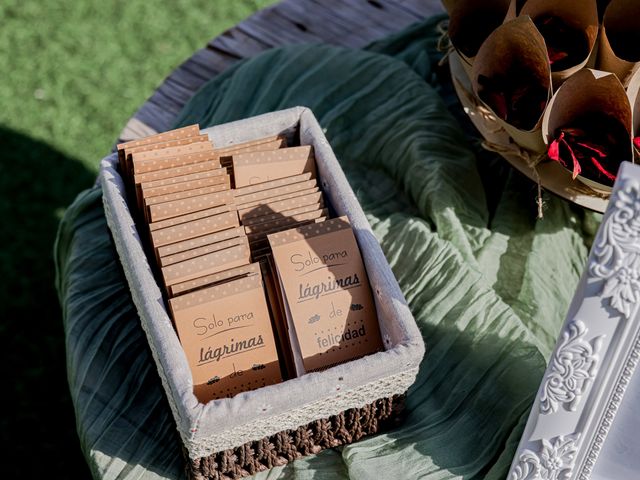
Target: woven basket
point(253, 431)
point(284, 447)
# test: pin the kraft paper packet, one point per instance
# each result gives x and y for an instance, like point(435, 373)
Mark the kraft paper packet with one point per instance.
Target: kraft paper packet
point(214, 172)
point(204, 250)
point(175, 151)
point(201, 241)
point(208, 212)
point(206, 264)
point(256, 237)
point(272, 193)
point(259, 187)
point(162, 146)
point(153, 164)
point(280, 140)
point(249, 222)
point(128, 152)
point(168, 144)
point(213, 279)
point(188, 131)
point(471, 22)
point(285, 221)
point(278, 198)
point(271, 143)
point(168, 173)
point(278, 320)
point(206, 180)
point(259, 167)
point(516, 49)
point(161, 211)
point(180, 133)
point(174, 197)
point(181, 196)
point(327, 292)
point(226, 333)
point(585, 92)
point(197, 228)
point(582, 17)
point(619, 45)
point(219, 182)
point(280, 206)
point(261, 230)
point(259, 242)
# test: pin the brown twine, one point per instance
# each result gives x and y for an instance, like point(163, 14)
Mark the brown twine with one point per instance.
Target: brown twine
point(587, 190)
point(531, 160)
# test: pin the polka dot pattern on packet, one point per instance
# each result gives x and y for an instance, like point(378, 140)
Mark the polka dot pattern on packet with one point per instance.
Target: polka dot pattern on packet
point(196, 252)
point(251, 269)
point(148, 192)
point(200, 241)
point(216, 292)
point(185, 194)
point(242, 191)
point(190, 217)
point(189, 131)
point(185, 231)
point(282, 155)
point(152, 164)
point(204, 262)
point(176, 171)
point(277, 207)
point(198, 202)
point(184, 178)
point(307, 231)
point(177, 150)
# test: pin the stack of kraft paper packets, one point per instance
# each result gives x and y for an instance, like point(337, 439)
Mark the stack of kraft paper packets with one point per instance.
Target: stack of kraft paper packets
point(261, 283)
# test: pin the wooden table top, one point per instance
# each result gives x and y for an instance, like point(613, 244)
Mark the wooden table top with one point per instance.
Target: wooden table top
point(348, 23)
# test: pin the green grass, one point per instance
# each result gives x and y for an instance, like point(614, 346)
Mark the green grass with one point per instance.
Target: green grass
point(73, 72)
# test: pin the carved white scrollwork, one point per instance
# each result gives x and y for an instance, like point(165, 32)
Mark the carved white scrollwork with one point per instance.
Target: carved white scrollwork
point(616, 254)
point(572, 368)
point(599, 347)
point(554, 460)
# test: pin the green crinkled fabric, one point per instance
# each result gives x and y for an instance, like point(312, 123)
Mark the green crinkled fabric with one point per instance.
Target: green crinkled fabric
point(489, 285)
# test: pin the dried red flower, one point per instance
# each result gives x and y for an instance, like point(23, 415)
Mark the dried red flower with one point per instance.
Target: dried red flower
point(566, 45)
point(556, 55)
point(514, 99)
point(593, 155)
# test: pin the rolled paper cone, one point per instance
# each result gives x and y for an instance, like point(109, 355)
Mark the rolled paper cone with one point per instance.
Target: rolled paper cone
point(516, 51)
point(448, 5)
point(514, 9)
point(602, 6)
point(472, 21)
point(619, 44)
point(582, 18)
point(633, 93)
point(586, 92)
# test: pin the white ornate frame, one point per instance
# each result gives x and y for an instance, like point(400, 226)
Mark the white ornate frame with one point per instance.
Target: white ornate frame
point(596, 354)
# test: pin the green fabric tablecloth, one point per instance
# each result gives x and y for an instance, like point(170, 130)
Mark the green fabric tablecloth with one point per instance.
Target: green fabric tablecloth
point(488, 284)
